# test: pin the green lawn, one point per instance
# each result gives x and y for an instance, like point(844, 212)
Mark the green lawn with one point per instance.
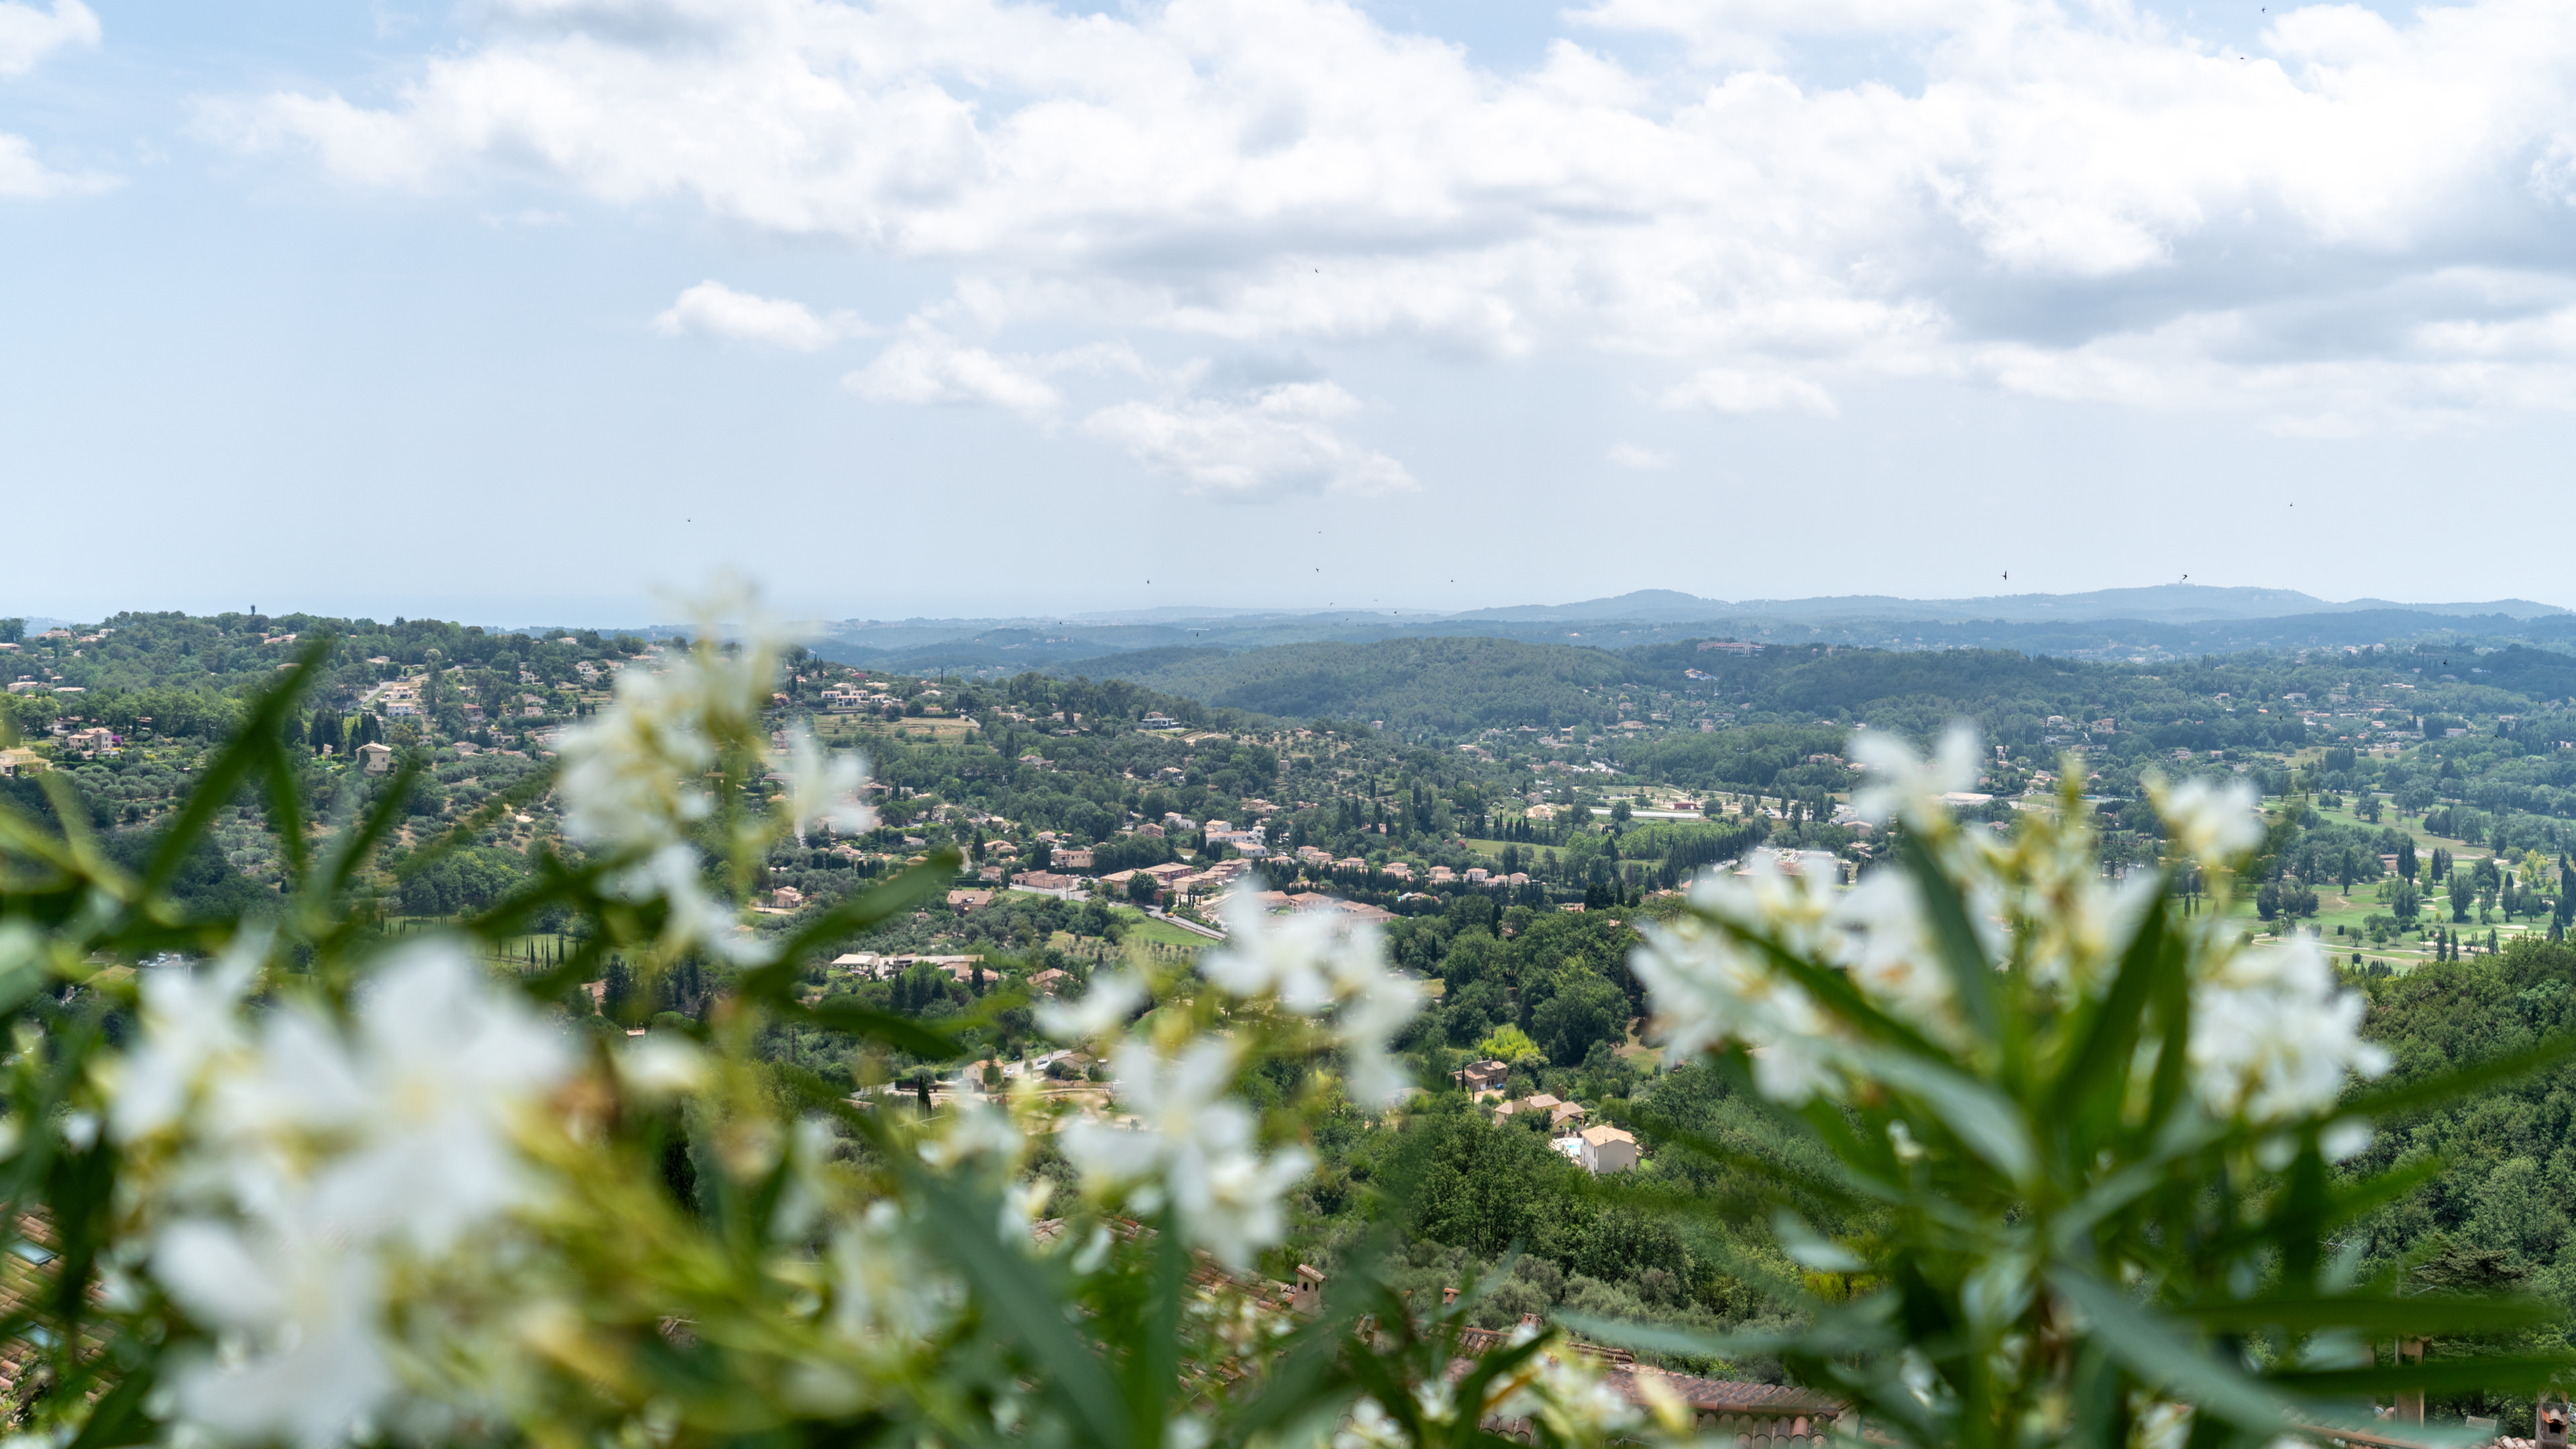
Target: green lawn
point(1142, 927)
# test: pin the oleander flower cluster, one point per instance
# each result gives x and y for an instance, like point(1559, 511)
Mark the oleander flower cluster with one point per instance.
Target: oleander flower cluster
point(635, 778)
point(2274, 1039)
point(292, 1174)
point(1188, 1140)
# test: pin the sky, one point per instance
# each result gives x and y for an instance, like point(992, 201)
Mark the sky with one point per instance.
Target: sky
point(519, 311)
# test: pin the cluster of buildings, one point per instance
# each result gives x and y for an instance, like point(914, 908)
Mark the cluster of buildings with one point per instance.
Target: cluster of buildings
point(1598, 1149)
point(874, 967)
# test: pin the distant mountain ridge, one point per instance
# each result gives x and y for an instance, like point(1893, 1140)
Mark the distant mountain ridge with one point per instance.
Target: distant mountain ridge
point(2154, 604)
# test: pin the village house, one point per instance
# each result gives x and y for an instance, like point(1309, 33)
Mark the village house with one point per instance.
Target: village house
point(1600, 1150)
point(90, 743)
point(375, 758)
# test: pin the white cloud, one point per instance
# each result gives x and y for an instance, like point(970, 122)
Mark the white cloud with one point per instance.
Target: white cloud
point(1643, 459)
point(1273, 440)
point(25, 178)
point(925, 369)
point(1726, 390)
point(28, 35)
point(712, 309)
point(2076, 184)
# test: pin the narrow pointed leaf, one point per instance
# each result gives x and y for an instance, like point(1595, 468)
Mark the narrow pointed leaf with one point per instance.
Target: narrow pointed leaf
point(1971, 974)
point(2162, 1357)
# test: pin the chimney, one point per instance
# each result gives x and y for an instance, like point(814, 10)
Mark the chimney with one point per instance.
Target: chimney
point(1448, 1296)
point(2549, 1425)
point(1308, 1296)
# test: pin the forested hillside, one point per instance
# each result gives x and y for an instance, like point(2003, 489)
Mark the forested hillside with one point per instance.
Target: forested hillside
point(1444, 686)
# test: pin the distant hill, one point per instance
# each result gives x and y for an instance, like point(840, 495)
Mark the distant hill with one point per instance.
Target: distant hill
point(1451, 686)
point(2165, 621)
point(1448, 686)
point(2159, 603)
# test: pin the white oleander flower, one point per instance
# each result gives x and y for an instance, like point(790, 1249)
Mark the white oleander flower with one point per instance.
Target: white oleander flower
point(824, 789)
point(2165, 1425)
point(1290, 957)
point(1885, 947)
point(661, 1065)
point(1793, 908)
point(1194, 1147)
point(2210, 824)
point(421, 1104)
point(1379, 1006)
point(1369, 1426)
point(1113, 997)
point(1708, 990)
point(308, 1364)
point(1312, 964)
point(633, 776)
point(884, 1290)
point(1566, 1393)
point(809, 1189)
point(314, 1159)
point(2079, 923)
point(975, 1131)
point(672, 875)
point(191, 1023)
point(2274, 1039)
point(1903, 783)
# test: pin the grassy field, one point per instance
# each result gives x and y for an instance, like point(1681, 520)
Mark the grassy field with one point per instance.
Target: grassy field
point(1142, 927)
point(844, 729)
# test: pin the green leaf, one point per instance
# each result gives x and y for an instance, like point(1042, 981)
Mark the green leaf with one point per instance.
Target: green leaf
point(1780, 1176)
point(223, 775)
point(898, 1032)
point(474, 822)
point(2110, 1027)
point(1985, 1120)
point(1810, 1249)
point(118, 1418)
point(776, 981)
point(382, 818)
point(1154, 1366)
point(2442, 1087)
point(2415, 1317)
point(1656, 1338)
point(2510, 1373)
point(1835, 990)
point(2161, 1357)
point(1020, 1306)
point(1971, 974)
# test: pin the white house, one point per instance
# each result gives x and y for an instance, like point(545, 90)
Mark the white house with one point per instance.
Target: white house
point(1600, 1150)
